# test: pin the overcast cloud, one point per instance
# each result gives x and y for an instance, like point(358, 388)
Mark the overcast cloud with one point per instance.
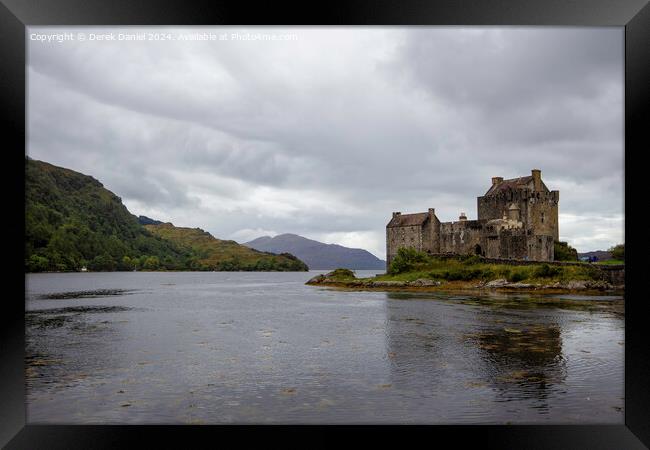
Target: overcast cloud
point(325, 134)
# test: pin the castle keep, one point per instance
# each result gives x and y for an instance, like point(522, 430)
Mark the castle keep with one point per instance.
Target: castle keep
point(517, 219)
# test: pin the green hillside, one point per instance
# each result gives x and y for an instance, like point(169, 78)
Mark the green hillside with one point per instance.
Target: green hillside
point(210, 253)
point(72, 221)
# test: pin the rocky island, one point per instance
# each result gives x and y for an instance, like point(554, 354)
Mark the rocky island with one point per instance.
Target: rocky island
point(412, 270)
point(512, 245)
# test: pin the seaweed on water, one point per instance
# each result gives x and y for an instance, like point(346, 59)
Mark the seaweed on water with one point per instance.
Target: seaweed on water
point(56, 318)
point(43, 321)
point(85, 294)
point(78, 310)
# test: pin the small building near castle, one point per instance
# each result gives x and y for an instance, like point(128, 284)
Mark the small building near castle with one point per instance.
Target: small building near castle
point(517, 219)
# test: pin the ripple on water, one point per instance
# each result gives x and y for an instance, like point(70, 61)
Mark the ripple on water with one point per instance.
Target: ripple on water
point(197, 349)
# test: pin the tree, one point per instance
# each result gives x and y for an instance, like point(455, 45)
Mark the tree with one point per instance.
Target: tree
point(37, 263)
point(168, 263)
point(406, 259)
point(126, 263)
point(102, 263)
point(564, 252)
point(618, 251)
point(152, 263)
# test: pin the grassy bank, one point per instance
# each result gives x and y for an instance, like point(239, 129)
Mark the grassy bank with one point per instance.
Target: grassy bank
point(416, 270)
point(611, 262)
point(472, 269)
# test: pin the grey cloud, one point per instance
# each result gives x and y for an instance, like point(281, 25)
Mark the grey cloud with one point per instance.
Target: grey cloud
point(365, 121)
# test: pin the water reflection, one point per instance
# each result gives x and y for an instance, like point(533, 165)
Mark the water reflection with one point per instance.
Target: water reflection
point(522, 363)
point(502, 349)
point(265, 348)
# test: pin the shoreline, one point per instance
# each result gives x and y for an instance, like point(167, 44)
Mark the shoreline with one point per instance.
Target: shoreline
point(473, 286)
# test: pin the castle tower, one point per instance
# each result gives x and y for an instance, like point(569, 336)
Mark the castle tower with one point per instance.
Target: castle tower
point(513, 212)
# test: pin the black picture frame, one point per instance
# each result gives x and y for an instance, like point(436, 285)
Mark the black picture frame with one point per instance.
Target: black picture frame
point(15, 15)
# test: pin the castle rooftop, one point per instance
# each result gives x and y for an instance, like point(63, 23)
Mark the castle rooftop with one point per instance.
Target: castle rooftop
point(513, 183)
point(407, 220)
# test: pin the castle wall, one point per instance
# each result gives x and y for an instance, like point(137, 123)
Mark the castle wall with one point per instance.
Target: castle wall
point(460, 237)
point(492, 246)
point(431, 233)
point(538, 210)
point(513, 244)
point(542, 213)
point(540, 248)
point(494, 206)
point(398, 237)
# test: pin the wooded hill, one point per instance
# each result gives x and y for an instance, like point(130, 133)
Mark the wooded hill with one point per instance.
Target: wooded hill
point(216, 254)
point(72, 221)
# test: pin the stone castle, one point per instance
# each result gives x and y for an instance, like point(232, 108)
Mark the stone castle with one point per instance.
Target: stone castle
point(517, 219)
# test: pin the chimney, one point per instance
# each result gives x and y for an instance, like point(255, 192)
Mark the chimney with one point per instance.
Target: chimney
point(496, 180)
point(432, 214)
point(462, 216)
point(395, 214)
point(537, 179)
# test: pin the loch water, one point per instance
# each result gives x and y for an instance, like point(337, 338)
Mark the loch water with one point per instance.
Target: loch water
point(261, 347)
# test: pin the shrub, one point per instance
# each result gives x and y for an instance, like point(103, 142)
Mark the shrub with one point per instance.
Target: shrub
point(102, 263)
point(341, 273)
point(516, 276)
point(474, 259)
point(461, 274)
point(487, 274)
point(406, 259)
point(473, 274)
point(564, 252)
point(452, 275)
point(37, 263)
point(594, 273)
point(546, 271)
point(618, 252)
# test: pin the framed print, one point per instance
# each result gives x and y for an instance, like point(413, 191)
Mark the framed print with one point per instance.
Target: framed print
point(366, 215)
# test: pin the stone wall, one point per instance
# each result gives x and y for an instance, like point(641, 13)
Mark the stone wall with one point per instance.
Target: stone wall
point(537, 210)
point(399, 237)
point(513, 244)
point(460, 237)
point(541, 248)
point(496, 205)
point(431, 231)
point(613, 274)
point(542, 213)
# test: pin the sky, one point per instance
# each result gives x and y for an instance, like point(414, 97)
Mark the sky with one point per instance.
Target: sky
point(324, 132)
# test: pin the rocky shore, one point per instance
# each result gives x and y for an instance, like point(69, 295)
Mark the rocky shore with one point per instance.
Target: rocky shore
point(334, 279)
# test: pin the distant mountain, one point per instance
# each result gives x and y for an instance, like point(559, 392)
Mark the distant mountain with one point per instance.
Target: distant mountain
point(317, 255)
point(216, 254)
point(602, 255)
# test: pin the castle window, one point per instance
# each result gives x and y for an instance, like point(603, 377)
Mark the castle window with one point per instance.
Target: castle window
point(542, 217)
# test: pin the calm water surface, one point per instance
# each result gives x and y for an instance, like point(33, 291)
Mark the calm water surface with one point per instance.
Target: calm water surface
point(216, 347)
